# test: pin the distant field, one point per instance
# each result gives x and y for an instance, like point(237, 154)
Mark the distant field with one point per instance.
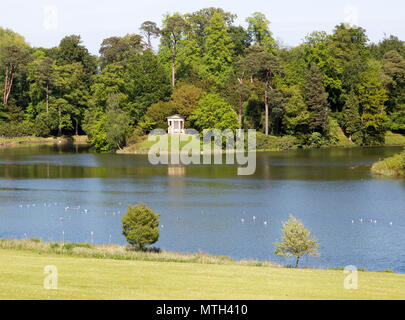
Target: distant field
point(22, 276)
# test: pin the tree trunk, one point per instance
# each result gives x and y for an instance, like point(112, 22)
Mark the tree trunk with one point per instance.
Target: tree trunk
point(77, 127)
point(5, 88)
point(266, 105)
point(59, 128)
point(8, 83)
point(174, 66)
point(240, 108)
point(298, 261)
point(47, 98)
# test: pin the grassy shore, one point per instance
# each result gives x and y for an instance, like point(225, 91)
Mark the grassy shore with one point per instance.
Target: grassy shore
point(6, 142)
point(391, 167)
point(142, 146)
point(79, 277)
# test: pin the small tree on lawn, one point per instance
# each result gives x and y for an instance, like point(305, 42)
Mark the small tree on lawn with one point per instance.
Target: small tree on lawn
point(296, 241)
point(140, 226)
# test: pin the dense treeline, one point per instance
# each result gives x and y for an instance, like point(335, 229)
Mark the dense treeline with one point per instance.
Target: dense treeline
point(214, 73)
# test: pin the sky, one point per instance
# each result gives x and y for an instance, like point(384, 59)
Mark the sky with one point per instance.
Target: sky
point(44, 23)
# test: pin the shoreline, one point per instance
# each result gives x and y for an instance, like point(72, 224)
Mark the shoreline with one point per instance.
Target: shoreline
point(20, 141)
point(124, 252)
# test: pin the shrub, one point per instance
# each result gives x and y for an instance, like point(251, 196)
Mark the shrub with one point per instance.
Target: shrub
point(288, 142)
point(140, 226)
point(264, 142)
point(315, 140)
point(54, 246)
point(71, 246)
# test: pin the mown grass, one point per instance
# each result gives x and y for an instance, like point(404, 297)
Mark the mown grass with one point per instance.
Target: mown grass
point(22, 277)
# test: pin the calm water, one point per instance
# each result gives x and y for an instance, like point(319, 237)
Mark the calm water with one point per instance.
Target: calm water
point(45, 190)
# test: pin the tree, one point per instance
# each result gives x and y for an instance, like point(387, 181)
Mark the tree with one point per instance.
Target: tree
point(158, 113)
point(196, 35)
point(72, 95)
point(372, 98)
point(150, 30)
point(296, 241)
point(317, 100)
point(351, 118)
point(140, 226)
point(214, 113)
point(240, 39)
point(394, 81)
point(117, 124)
point(71, 50)
point(119, 49)
point(186, 98)
point(173, 31)
point(14, 61)
point(297, 118)
point(263, 65)
point(45, 76)
point(219, 49)
point(258, 30)
point(146, 82)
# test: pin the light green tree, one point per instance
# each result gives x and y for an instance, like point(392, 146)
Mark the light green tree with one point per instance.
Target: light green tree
point(214, 113)
point(117, 123)
point(372, 98)
point(219, 49)
point(258, 30)
point(296, 241)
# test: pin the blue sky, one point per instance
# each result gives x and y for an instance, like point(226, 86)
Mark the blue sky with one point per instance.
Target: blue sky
point(46, 22)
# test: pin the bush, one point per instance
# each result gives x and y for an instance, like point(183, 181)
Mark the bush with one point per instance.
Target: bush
point(264, 142)
point(288, 143)
point(71, 246)
point(17, 129)
point(140, 226)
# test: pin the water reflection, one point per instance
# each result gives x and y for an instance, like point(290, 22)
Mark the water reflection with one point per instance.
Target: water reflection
point(202, 206)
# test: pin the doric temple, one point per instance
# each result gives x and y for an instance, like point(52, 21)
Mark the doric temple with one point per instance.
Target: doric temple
point(176, 124)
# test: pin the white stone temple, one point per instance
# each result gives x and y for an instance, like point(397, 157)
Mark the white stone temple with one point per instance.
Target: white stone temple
point(176, 124)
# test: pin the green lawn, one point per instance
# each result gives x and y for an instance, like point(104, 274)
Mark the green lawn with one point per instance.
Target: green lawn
point(22, 276)
point(394, 139)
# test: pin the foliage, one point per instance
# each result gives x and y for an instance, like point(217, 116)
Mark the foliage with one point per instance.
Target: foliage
point(316, 100)
point(140, 226)
point(296, 241)
point(213, 112)
point(293, 93)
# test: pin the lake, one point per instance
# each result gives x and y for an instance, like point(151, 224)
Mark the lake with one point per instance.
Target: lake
point(49, 189)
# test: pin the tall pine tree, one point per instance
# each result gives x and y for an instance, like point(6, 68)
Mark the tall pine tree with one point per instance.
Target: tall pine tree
point(317, 100)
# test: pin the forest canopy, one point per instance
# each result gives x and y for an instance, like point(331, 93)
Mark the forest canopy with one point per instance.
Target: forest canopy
point(211, 71)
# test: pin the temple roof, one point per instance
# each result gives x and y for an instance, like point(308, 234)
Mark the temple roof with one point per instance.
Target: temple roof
point(176, 116)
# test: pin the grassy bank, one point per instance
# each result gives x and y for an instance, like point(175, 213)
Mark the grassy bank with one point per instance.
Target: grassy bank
point(391, 167)
point(22, 277)
point(5, 142)
point(25, 140)
point(394, 139)
point(117, 252)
